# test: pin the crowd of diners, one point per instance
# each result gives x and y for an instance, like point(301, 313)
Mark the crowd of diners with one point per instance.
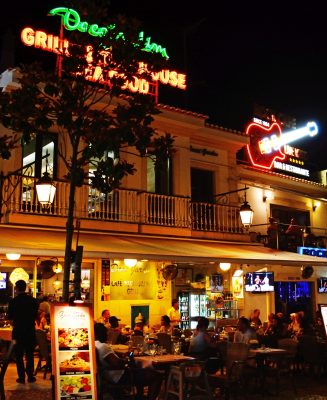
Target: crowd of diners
point(203, 342)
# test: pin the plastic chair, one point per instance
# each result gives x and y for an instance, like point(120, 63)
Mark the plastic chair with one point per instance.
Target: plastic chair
point(44, 353)
point(188, 380)
point(3, 367)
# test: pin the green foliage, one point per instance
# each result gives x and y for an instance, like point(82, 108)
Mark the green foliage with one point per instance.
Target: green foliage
point(91, 119)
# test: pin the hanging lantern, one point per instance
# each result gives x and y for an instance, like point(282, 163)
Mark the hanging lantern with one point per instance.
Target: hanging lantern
point(246, 213)
point(56, 284)
point(45, 190)
point(18, 274)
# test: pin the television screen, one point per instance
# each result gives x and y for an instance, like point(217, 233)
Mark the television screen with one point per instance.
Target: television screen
point(322, 285)
point(259, 282)
point(3, 280)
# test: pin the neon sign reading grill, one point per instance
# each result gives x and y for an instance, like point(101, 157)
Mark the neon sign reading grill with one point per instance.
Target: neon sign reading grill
point(72, 21)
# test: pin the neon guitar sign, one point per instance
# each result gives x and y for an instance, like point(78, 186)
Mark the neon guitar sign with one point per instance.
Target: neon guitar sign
point(267, 144)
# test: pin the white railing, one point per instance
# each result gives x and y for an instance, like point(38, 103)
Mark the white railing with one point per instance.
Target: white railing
point(19, 196)
point(215, 218)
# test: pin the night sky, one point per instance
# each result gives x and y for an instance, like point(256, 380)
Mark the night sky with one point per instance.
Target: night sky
point(235, 54)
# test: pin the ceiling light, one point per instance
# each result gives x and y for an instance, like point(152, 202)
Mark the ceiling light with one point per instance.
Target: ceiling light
point(238, 272)
point(224, 266)
point(57, 268)
point(130, 262)
point(13, 256)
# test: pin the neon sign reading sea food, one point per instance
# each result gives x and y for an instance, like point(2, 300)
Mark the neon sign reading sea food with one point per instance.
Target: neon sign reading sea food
point(54, 44)
point(267, 143)
point(72, 21)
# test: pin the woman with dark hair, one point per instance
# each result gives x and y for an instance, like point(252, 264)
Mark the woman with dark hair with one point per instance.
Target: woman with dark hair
point(165, 325)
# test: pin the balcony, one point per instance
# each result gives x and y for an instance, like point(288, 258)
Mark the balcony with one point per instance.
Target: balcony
point(121, 206)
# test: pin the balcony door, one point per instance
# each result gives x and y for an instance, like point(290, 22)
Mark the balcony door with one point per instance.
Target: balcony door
point(202, 199)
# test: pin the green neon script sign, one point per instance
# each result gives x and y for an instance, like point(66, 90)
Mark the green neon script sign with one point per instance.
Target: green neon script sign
point(72, 21)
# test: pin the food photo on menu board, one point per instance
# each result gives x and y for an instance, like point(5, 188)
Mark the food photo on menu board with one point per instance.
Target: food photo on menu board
point(76, 387)
point(73, 338)
point(74, 363)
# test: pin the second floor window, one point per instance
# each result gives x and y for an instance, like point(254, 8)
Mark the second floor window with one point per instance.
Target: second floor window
point(159, 177)
point(40, 155)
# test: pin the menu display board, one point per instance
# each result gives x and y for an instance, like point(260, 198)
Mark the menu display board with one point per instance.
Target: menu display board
point(73, 352)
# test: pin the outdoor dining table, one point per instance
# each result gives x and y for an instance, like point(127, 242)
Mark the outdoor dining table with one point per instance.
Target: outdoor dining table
point(263, 356)
point(161, 360)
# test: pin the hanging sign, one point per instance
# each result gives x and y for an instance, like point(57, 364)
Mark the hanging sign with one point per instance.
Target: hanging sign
point(73, 352)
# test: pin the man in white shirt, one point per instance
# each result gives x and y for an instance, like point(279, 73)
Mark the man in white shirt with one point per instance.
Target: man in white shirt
point(174, 314)
point(244, 331)
point(112, 367)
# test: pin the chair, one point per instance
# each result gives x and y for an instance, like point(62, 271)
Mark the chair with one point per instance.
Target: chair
point(164, 340)
point(311, 354)
point(3, 367)
point(188, 381)
point(118, 391)
point(43, 352)
point(231, 378)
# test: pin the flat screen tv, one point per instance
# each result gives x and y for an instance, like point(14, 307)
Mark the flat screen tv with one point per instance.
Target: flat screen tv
point(322, 285)
point(3, 280)
point(259, 282)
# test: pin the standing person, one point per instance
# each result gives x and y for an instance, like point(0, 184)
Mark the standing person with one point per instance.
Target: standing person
point(22, 311)
point(174, 314)
point(255, 321)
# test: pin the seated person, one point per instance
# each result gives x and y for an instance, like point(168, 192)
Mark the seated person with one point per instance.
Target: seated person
point(112, 368)
point(104, 319)
point(201, 344)
point(140, 328)
point(255, 321)
point(41, 321)
point(165, 325)
point(114, 334)
point(244, 332)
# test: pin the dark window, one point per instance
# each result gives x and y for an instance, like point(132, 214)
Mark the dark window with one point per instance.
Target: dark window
point(159, 177)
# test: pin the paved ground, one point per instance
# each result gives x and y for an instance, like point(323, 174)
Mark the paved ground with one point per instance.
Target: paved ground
point(308, 388)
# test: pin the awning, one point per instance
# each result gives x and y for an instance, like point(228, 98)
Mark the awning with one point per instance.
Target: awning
point(34, 242)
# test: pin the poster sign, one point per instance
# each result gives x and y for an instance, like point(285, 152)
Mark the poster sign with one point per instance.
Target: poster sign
point(133, 283)
point(73, 352)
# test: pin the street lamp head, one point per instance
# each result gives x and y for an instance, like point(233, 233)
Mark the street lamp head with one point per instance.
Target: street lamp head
point(246, 214)
point(45, 190)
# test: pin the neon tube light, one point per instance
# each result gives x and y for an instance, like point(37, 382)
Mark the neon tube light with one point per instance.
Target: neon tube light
point(266, 144)
point(71, 21)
